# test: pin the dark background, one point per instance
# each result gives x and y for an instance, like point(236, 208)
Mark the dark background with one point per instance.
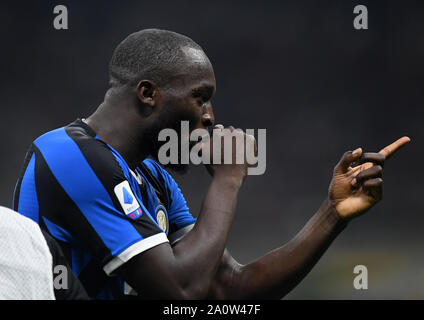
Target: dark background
point(296, 68)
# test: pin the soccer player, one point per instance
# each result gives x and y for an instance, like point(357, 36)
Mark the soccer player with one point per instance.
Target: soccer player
point(120, 217)
point(26, 267)
point(28, 259)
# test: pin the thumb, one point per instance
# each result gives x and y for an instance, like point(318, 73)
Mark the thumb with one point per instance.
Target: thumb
point(347, 159)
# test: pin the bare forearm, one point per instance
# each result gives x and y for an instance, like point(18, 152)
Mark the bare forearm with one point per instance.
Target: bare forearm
point(187, 270)
point(356, 186)
point(199, 253)
point(278, 272)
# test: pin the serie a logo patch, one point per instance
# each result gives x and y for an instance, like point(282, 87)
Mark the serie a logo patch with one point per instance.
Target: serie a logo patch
point(128, 201)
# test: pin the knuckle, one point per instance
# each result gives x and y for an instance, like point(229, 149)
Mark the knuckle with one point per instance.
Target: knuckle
point(378, 169)
point(250, 137)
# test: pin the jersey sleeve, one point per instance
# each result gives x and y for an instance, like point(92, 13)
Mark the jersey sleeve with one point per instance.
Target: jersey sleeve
point(84, 189)
point(181, 220)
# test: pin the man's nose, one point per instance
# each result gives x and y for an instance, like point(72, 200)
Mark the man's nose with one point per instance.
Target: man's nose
point(208, 118)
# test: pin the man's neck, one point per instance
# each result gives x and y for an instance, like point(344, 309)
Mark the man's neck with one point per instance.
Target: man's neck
point(120, 131)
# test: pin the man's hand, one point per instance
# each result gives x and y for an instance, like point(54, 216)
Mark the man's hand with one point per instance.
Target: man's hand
point(236, 151)
point(355, 189)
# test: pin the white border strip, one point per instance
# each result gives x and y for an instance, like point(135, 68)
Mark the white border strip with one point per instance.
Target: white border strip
point(134, 250)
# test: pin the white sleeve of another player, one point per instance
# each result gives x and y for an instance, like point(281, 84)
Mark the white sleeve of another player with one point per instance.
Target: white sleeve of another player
point(26, 269)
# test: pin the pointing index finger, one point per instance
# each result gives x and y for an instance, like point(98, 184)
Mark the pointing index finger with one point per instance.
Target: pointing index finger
point(390, 149)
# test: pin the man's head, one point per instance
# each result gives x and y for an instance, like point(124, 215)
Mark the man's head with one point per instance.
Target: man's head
point(169, 79)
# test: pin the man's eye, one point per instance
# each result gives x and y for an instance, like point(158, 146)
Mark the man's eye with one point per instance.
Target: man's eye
point(206, 102)
point(202, 101)
point(202, 96)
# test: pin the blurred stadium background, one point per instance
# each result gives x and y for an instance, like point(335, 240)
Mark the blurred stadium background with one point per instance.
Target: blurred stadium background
point(295, 68)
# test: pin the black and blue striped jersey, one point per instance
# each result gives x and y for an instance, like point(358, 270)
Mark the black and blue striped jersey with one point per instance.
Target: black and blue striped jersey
point(102, 213)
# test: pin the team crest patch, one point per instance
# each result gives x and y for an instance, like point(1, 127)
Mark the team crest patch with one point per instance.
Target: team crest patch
point(127, 200)
point(161, 218)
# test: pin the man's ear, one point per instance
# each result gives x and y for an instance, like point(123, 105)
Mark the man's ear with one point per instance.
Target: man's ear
point(147, 92)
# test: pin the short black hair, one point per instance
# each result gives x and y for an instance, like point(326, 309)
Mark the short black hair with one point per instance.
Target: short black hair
point(149, 54)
